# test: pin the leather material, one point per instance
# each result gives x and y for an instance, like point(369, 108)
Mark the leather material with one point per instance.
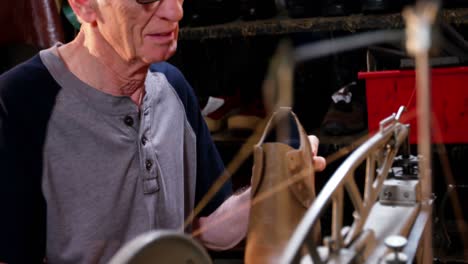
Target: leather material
point(278, 164)
point(33, 22)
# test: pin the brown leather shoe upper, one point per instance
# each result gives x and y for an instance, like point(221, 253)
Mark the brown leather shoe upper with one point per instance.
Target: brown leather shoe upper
point(283, 187)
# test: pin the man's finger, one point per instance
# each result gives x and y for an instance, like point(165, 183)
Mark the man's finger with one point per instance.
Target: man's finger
point(319, 163)
point(314, 142)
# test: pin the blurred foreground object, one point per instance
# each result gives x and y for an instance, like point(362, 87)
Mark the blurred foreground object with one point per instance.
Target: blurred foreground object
point(33, 22)
point(164, 247)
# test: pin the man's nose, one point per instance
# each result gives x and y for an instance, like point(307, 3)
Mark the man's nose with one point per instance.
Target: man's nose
point(170, 10)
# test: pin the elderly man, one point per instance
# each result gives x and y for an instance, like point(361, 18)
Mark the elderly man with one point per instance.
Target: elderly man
point(100, 140)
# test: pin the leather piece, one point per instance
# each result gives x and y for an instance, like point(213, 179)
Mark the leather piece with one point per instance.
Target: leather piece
point(304, 190)
point(33, 22)
point(257, 169)
point(273, 218)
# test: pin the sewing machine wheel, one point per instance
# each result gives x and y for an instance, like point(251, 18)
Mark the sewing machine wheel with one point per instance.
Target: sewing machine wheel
point(162, 247)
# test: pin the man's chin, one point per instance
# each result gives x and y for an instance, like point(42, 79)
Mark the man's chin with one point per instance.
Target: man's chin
point(169, 55)
point(171, 50)
point(160, 54)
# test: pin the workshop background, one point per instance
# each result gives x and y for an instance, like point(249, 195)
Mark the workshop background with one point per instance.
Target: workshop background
point(224, 51)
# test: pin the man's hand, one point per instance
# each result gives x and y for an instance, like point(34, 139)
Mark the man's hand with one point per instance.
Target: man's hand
point(319, 162)
point(226, 226)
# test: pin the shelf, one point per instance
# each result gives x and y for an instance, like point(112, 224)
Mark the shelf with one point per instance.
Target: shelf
point(278, 26)
point(352, 140)
point(226, 137)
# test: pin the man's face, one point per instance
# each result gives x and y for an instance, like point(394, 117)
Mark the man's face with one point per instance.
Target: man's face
point(141, 32)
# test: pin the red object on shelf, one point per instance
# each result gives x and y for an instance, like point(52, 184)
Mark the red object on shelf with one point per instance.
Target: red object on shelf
point(386, 91)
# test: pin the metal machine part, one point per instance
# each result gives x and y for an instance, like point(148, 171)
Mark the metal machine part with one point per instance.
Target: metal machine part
point(405, 167)
point(162, 247)
point(396, 244)
point(389, 206)
point(400, 192)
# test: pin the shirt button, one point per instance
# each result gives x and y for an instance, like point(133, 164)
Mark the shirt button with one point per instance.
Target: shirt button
point(144, 140)
point(128, 120)
point(148, 164)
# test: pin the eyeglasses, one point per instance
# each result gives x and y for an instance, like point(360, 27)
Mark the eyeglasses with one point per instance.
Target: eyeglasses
point(144, 2)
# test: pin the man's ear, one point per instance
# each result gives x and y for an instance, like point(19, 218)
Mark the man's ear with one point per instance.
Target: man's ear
point(84, 10)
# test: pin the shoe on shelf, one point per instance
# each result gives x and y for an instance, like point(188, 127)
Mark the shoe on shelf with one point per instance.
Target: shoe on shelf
point(247, 118)
point(345, 115)
point(218, 109)
point(211, 105)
